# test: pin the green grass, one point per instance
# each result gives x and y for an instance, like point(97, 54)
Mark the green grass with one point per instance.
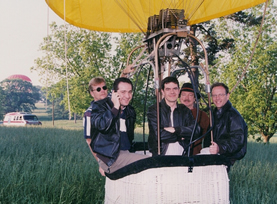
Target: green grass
point(47, 165)
point(40, 112)
point(47, 122)
point(64, 124)
point(253, 179)
point(52, 165)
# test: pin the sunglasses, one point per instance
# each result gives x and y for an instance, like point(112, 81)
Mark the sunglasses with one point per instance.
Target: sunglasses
point(99, 89)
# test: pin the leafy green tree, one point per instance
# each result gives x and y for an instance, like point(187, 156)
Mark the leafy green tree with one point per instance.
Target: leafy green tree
point(217, 44)
point(59, 110)
point(19, 95)
point(255, 97)
point(87, 56)
point(214, 35)
point(126, 42)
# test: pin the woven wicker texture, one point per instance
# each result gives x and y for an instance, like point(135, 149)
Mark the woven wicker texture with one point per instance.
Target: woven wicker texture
point(168, 185)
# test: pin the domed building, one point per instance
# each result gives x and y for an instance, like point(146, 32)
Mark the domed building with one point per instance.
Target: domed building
point(20, 76)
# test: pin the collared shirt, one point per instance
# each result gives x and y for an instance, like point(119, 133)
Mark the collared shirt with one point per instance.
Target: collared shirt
point(173, 148)
point(124, 140)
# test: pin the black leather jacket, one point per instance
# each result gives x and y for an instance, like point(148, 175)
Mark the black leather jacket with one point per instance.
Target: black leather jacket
point(229, 132)
point(183, 123)
point(105, 129)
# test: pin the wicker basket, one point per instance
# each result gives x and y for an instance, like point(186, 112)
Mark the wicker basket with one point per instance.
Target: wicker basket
point(205, 184)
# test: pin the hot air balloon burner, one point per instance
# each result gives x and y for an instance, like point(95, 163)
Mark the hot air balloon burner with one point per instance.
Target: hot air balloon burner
point(168, 21)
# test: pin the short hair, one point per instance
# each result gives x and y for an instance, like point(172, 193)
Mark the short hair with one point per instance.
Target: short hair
point(121, 79)
point(216, 84)
point(169, 79)
point(94, 81)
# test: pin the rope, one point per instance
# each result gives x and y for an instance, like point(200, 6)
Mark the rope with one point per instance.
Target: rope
point(250, 59)
point(47, 73)
point(65, 57)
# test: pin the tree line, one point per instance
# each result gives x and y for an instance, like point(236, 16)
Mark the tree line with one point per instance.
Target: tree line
point(72, 56)
point(17, 95)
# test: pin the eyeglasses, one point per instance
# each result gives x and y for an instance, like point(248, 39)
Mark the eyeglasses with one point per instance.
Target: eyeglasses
point(98, 89)
point(219, 95)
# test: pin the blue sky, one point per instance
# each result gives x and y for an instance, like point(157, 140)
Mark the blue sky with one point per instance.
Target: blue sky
point(23, 27)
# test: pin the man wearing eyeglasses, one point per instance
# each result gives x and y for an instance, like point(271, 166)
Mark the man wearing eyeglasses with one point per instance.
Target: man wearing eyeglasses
point(229, 128)
point(112, 126)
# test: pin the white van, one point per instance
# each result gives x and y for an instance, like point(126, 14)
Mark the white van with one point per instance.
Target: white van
point(20, 119)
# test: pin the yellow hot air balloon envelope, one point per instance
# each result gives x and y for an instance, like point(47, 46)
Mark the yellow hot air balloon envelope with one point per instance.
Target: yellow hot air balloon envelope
point(132, 15)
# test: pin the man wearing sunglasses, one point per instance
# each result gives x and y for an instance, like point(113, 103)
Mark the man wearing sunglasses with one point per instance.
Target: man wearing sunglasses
point(98, 90)
point(229, 128)
point(112, 127)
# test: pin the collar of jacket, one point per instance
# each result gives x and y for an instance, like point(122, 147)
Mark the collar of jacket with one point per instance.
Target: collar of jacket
point(105, 100)
point(226, 107)
point(91, 103)
point(163, 103)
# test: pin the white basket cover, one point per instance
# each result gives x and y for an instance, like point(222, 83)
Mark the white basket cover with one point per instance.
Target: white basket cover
point(169, 185)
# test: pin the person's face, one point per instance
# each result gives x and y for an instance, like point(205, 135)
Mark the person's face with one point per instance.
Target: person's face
point(187, 98)
point(98, 93)
point(219, 96)
point(170, 92)
point(125, 93)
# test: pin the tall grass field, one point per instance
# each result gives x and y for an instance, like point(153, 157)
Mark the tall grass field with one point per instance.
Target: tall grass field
point(47, 165)
point(52, 165)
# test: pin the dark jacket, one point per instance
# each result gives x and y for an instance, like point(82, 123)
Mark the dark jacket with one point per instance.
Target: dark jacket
point(229, 132)
point(105, 129)
point(183, 124)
